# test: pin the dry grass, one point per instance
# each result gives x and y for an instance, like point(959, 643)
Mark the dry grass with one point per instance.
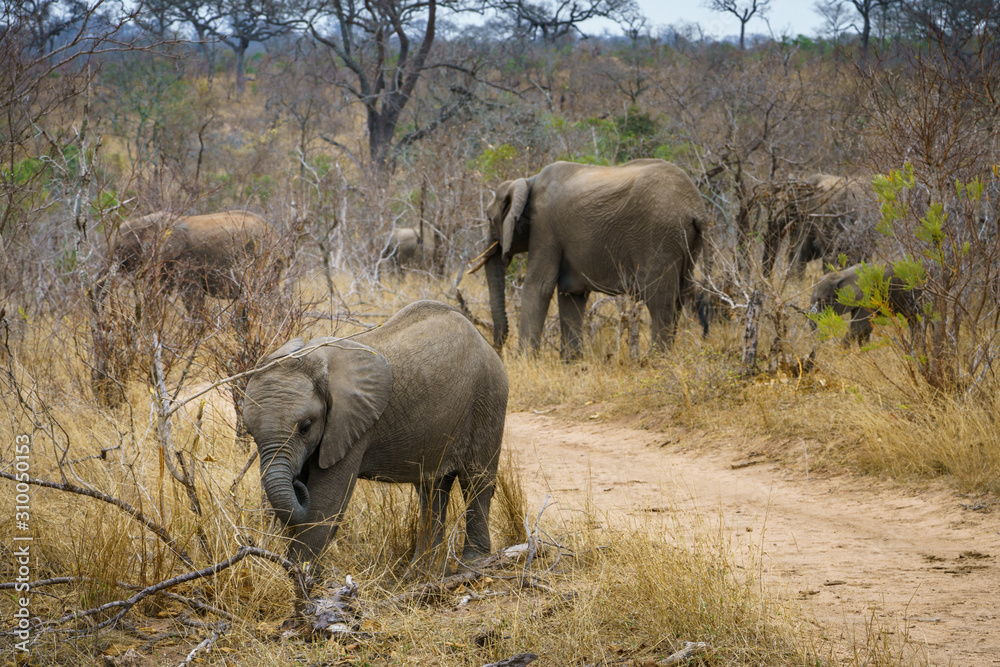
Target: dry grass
point(640, 590)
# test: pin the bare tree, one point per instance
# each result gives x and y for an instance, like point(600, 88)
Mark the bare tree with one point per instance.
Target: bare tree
point(158, 15)
point(866, 10)
point(244, 22)
point(744, 10)
point(386, 47)
point(235, 23)
point(552, 20)
point(835, 18)
point(46, 20)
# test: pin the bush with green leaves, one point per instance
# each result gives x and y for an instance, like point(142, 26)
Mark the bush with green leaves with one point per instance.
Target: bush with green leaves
point(947, 250)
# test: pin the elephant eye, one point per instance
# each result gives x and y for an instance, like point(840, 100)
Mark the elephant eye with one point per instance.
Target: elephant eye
point(304, 426)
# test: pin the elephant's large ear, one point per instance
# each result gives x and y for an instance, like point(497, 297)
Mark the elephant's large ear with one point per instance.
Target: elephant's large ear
point(360, 382)
point(518, 194)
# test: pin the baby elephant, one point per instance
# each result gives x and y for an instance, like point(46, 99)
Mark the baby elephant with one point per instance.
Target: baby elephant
point(419, 400)
point(900, 300)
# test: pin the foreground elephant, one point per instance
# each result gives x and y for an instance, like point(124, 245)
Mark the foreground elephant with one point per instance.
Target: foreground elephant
point(198, 254)
point(900, 300)
point(419, 400)
point(636, 228)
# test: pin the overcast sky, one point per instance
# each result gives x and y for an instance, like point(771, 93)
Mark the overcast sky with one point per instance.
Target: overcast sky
point(792, 17)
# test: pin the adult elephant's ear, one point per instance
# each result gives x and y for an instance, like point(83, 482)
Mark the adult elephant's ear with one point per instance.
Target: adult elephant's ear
point(359, 381)
point(518, 194)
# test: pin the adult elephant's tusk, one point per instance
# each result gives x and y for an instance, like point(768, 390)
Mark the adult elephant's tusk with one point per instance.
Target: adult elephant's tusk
point(481, 259)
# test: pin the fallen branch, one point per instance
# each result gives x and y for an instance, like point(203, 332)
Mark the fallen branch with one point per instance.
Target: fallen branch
point(690, 650)
point(44, 582)
point(217, 631)
point(196, 604)
point(335, 613)
point(155, 528)
point(433, 590)
point(125, 605)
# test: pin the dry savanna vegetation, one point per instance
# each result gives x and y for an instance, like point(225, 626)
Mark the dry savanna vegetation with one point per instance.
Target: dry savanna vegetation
point(125, 468)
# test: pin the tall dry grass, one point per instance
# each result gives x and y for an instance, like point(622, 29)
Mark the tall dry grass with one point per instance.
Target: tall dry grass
point(609, 591)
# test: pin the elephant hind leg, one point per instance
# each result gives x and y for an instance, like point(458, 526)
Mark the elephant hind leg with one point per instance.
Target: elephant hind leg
point(664, 309)
point(572, 308)
point(434, 495)
point(478, 493)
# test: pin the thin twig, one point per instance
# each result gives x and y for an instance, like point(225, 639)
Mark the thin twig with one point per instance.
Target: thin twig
point(125, 605)
point(217, 631)
point(239, 477)
point(157, 529)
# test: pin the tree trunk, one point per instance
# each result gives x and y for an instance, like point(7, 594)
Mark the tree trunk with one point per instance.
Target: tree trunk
point(241, 77)
point(751, 334)
point(381, 128)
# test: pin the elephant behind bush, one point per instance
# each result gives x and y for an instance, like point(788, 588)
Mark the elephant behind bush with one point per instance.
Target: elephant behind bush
point(199, 254)
point(899, 300)
point(407, 246)
point(823, 216)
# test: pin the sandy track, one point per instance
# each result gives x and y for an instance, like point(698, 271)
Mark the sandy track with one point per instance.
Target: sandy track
point(849, 548)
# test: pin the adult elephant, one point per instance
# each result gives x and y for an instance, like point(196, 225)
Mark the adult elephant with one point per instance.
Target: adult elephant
point(899, 299)
point(419, 400)
point(199, 254)
point(409, 246)
point(636, 228)
point(824, 216)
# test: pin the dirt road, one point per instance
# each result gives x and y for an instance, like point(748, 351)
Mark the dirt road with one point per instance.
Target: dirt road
point(851, 549)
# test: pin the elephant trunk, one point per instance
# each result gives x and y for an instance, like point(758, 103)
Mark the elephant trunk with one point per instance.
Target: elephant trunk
point(287, 495)
point(496, 277)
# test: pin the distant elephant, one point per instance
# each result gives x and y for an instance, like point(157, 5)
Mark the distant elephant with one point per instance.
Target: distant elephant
point(419, 400)
point(636, 228)
point(900, 300)
point(198, 254)
point(823, 217)
point(408, 247)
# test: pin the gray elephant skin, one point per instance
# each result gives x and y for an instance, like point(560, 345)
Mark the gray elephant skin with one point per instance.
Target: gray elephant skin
point(636, 228)
point(419, 400)
point(198, 254)
point(822, 222)
point(901, 300)
point(407, 246)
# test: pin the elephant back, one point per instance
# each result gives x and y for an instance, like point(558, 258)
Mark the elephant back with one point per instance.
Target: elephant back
point(426, 339)
point(158, 237)
point(223, 240)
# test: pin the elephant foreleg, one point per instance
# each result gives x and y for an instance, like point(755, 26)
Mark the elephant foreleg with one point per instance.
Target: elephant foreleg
point(860, 327)
point(434, 495)
point(193, 296)
point(539, 283)
point(572, 308)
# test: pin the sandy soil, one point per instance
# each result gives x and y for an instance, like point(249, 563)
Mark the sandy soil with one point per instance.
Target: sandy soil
point(926, 564)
